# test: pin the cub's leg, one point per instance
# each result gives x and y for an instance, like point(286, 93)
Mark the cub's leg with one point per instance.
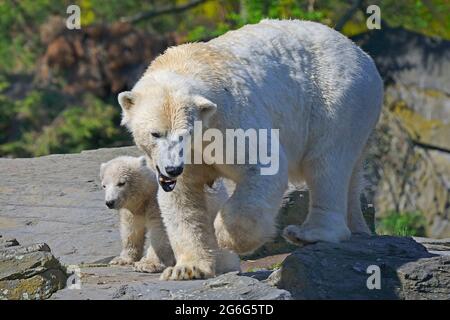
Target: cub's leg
point(328, 182)
point(132, 233)
point(247, 220)
point(159, 253)
point(190, 230)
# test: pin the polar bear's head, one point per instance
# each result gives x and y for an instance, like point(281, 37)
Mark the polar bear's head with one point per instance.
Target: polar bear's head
point(161, 118)
point(127, 182)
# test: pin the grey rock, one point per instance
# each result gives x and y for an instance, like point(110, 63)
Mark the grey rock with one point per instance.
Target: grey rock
point(58, 200)
point(426, 279)
point(29, 272)
point(6, 243)
point(406, 174)
point(412, 60)
point(339, 271)
point(121, 283)
point(435, 246)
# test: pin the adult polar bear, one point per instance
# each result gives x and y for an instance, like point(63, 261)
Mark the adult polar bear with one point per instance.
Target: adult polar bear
point(321, 91)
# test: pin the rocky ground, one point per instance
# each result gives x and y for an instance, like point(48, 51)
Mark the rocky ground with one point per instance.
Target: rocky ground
point(56, 202)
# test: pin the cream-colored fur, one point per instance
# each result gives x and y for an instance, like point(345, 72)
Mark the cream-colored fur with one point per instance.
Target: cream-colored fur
point(132, 186)
point(322, 92)
point(139, 213)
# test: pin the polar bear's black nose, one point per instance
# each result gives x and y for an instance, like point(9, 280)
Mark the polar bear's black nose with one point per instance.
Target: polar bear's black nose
point(174, 171)
point(110, 204)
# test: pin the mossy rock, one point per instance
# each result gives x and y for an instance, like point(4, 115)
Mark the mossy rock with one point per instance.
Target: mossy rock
point(29, 272)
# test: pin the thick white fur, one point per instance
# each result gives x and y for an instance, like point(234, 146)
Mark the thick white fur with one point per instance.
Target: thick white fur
point(139, 214)
point(321, 91)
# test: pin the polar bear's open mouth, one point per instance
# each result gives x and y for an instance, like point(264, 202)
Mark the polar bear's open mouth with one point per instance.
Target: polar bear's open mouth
point(166, 183)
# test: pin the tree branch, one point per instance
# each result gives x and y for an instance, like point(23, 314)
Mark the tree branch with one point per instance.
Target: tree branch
point(348, 15)
point(168, 10)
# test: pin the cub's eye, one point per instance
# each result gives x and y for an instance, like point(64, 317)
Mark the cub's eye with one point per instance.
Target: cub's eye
point(103, 186)
point(121, 184)
point(156, 134)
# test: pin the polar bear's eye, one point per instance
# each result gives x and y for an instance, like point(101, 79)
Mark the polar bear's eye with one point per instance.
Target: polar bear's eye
point(121, 184)
point(156, 134)
point(103, 186)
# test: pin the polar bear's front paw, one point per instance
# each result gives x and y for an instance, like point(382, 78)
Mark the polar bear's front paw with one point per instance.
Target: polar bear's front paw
point(148, 266)
point(302, 235)
point(122, 261)
point(185, 272)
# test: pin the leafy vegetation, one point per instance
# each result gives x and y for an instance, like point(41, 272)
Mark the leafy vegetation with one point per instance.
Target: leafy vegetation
point(36, 119)
point(402, 224)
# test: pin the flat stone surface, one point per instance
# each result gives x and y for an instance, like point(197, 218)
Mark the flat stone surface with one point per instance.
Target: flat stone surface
point(435, 246)
point(124, 284)
point(58, 200)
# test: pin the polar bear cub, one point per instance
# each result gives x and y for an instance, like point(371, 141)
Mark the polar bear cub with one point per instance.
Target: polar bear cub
point(130, 187)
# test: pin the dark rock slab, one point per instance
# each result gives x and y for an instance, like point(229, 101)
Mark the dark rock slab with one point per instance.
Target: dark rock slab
point(340, 271)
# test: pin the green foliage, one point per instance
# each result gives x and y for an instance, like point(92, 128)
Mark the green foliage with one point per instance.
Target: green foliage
point(253, 11)
point(42, 123)
point(79, 128)
point(430, 17)
point(43, 120)
point(19, 41)
point(402, 224)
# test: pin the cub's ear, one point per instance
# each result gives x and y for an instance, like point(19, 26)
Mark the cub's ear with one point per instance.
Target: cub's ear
point(102, 170)
point(207, 107)
point(127, 100)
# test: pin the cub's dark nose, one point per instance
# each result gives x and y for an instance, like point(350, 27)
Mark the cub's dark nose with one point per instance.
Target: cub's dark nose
point(110, 204)
point(174, 171)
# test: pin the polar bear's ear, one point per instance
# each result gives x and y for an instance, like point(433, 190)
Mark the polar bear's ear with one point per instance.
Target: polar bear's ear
point(127, 99)
point(207, 107)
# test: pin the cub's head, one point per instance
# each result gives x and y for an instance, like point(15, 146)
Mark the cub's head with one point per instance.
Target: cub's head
point(126, 181)
point(161, 118)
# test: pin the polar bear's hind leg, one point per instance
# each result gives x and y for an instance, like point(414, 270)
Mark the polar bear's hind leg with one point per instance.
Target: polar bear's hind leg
point(356, 221)
point(328, 183)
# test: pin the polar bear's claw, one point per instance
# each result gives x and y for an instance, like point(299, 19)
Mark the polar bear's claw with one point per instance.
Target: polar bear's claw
point(148, 266)
point(183, 272)
point(303, 235)
point(121, 261)
point(293, 235)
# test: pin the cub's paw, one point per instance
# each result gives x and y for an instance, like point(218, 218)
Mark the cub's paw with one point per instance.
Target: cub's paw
point(185, 272)
point(121, 261)
point(303, 235)
point(148, 266)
